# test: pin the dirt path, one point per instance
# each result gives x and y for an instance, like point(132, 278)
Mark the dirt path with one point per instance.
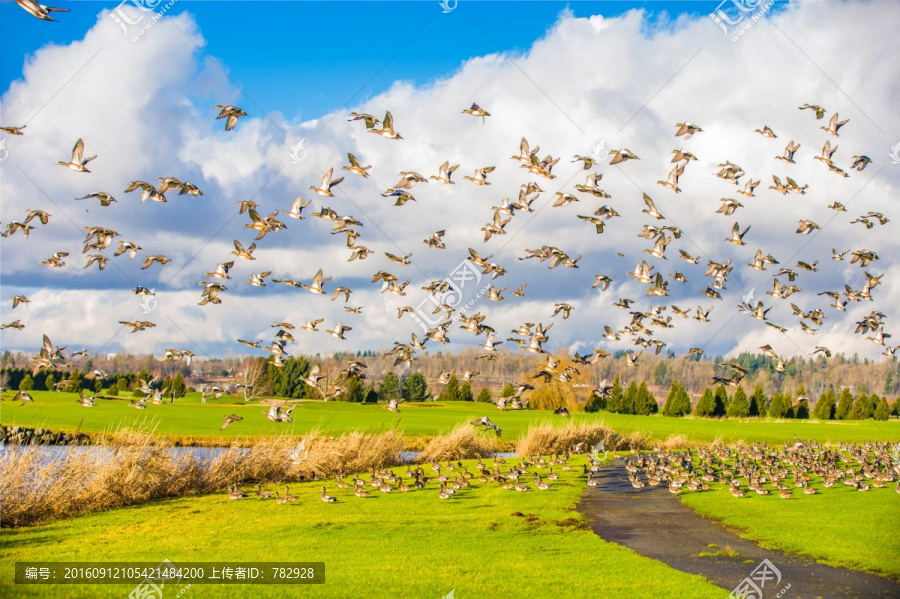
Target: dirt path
point(656, 524)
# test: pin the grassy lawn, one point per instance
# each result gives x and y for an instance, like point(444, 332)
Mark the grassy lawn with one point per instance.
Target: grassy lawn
point(387, 545)
point(187, 417)
point(840, 526)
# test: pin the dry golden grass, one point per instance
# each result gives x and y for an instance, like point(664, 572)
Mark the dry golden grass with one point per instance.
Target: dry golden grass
point(675, 442)
point(135, 467)
point(462, 443)
point(547, 439)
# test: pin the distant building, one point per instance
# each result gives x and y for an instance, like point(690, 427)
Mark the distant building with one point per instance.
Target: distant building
point(110, 356)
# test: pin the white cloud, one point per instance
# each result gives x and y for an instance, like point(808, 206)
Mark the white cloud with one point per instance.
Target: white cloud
point(585, 80)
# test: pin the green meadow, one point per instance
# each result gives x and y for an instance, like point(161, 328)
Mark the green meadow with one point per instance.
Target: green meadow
point(188, 417)
point(485, 541)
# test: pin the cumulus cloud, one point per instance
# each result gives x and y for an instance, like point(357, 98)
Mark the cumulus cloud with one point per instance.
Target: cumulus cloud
point(142, 107)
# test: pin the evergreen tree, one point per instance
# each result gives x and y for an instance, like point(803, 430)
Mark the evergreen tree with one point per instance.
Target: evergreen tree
point(645, 404)
point(889, 382)
point(801, 410)
point(484, 396)
point(845, 403)
point(370, 396)
point(740, 405)
point(98, 385)
point(465, 392)
point(629, 399)
point(721, 403)
point(707, 404)
point(416, 389)
point(678, 402)
point(883, 411)
point(49, 382)
point(862, 408)
point(451, 390)
point(615, 402)
point(389, 388)
point(595, 404)
point(27, 383)
point(355, 392)
point(759, 403)
point(508, 390)
point(778, 407)
point(178, 385)
point(826, 405)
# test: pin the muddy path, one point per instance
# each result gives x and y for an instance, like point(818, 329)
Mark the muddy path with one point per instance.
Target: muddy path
point(654, 523)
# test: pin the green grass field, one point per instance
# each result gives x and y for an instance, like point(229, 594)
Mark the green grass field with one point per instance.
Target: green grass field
point(840, 526)
point(187, 417)
point(387, 545)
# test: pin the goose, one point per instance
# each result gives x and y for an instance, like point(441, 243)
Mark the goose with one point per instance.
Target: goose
point(87, 402)
point(860, 162)
point(246, 204)
point(749, 186)
point(622, 155)
point(837, 170)
point(324, 188)
point(393, 405)
point(520, 291)
point(563, 307)
point(127, 246)
point(280, 500)
point(14, 226)
point(258, 280)
point(388, 130)
point(41, 11)
point(316, 285)
point(779, 187)
point(834, 125)
point(818, 110)
point(445, 171)
point(806, 227)
point(789, 150)
point(326, 497)
point(827, 152)
point(402, 260)
point(98, 259)
point(221, 271)
point(480, 177)
point(402, 196)
point(444, 492)
point(370, 120)
point(19, 299)
point(601, 281)
point(562, 411)
point(476, 110)
point(262, 494)
point(231, 114)
point(78, 162)
point(241, 252)
point(355, 167)
point(236, 493)
point(148, 191)
point(737, 236)
point(15, 130)
point(338, 331)
point(104, 198)
point(681, 155)
point(671, 181)
point(766, 132)
point(229, 419)
point(296, 210)
point(359, 491)
point(494, 294)
point(659, 249)
point(651, 208)
point(138, 325)
point(687, 129)
point(590, 186)
point(564, 199)
point(149, 260)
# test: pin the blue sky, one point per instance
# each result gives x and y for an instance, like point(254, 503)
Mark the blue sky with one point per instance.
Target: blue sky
point(574, 79)
point(283, 53)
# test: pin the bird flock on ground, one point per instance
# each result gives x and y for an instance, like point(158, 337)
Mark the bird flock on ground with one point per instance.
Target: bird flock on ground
point(530, 336)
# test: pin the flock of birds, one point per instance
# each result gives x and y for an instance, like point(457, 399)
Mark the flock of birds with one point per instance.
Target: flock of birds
point(447, 478)
point(750, 468)
point(530, 336)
